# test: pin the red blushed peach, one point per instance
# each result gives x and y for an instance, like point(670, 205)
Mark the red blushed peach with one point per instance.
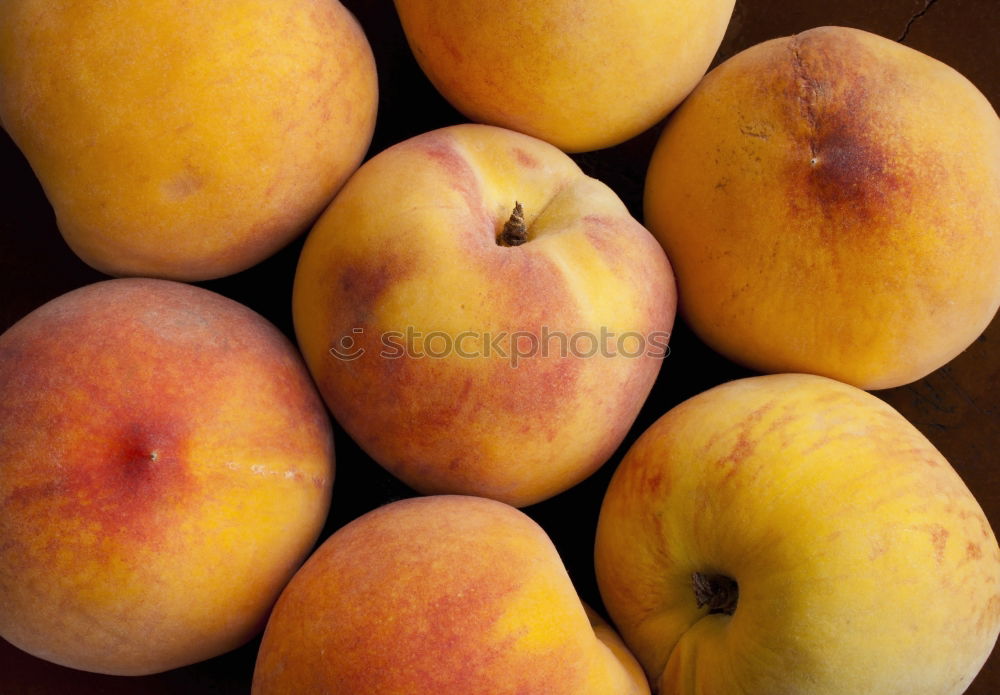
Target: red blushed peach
point(416, 245)
point(439, 596)
point(165, 465)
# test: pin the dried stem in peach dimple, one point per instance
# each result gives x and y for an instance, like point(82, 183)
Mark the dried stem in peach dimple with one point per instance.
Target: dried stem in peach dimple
point(514, 232)
point(717, 591)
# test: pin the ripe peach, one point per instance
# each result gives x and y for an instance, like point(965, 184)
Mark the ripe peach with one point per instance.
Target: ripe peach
point(831, 204)
point(465, 363)
point(165, 465)
point(793, 534)
point(185, 140)
point(580, 74)
point(439, 596)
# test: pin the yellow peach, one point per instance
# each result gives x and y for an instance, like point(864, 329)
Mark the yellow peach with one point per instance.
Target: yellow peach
point(831, 204)
point(581, 75)
point(793, 534)
point(185, 140)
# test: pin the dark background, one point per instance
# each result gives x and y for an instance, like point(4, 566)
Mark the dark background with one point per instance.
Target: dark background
point(956, 407)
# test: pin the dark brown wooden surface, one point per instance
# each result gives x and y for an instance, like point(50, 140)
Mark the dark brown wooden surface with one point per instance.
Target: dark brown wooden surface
point(956, 406)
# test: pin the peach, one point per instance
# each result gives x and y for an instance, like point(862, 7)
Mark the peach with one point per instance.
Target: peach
point(185, 140)
point(580, 74)
point(831, 204)
point(444, 595)
point(793, 534)
point(165, 466)
point(467, 362)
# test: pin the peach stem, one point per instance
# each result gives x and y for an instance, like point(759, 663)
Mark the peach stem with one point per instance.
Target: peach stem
point(514, 232)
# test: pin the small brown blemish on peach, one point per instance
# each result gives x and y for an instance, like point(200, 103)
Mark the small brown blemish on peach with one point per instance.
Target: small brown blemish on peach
point(939, 539)
point(973, 551)
point(654, 481)
point(601, 235)
point(525, 159)
point(362, 285)
point(740, 451)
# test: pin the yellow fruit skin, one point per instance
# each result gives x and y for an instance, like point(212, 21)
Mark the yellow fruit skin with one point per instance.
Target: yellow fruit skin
point(864, 564)
point(410, 243)
point(165, 466)
point(581, 75)
point(831, 204)
point(185, 140)
point(442, 595)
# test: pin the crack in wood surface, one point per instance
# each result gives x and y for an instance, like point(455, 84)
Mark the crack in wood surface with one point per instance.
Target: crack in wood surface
point(928, 4)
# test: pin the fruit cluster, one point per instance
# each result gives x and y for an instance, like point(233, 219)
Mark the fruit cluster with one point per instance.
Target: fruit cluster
point(486, 322)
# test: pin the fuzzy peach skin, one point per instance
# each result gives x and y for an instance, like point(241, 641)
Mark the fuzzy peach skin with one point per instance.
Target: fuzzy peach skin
point(580, 74)
point(444, 595)
point(831, 204)
point(185, 140)
point(410, 244)
point(165, 466)
point(854, 559)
